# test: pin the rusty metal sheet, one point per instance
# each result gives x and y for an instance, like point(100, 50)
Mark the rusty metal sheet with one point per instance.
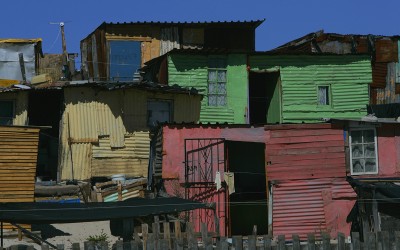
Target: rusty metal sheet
point(299, 207)
point(379, 72)
point(386, 50)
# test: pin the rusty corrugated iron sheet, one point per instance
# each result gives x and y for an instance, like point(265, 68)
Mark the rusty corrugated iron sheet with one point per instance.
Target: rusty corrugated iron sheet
point(312, 206)
point(386, 50)
point(305, 152)
point(379, 71)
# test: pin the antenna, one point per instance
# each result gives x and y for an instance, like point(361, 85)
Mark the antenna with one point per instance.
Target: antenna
point(67, 72)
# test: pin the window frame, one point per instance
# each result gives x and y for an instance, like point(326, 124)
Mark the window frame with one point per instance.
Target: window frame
point(171, 109)
point(329, 95)
point(351, 150)
point(217, 70)
point(13, 112)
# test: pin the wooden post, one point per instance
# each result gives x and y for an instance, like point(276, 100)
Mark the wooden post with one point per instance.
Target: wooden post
point(326, 241)
point(156, 233)
point(178, 243)
point(237, 242)
point(296, 242)
point(207, 241)
point(19, 234)
point(222, 244)
point(119, 191)
point(341, 241)
point(150, 242)
point(252, 242)
point(355, 241)
point(192, 242)
point(163, 244)
point(134, 245)
point(371, 241)
point(167, 234)
point(267, 242)
point(22, 66)
point(281, 242)
point(383, 240)
point(310, 241)
point(145, 234)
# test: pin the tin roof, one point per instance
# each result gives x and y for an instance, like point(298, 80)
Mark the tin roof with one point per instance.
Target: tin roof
point(144, 85)
point(254, 23)
point(18, 40)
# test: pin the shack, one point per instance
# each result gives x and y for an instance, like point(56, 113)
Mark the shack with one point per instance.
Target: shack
point(118, 50)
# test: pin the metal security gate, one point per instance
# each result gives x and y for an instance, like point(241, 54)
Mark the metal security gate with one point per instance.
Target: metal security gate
point(203, 159)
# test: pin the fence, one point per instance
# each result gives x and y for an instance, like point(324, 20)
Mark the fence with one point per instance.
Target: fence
point(169, 235)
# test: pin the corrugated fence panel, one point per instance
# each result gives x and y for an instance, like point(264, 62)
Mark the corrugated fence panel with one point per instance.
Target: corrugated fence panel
point(348, 77)
point(388, 93)
point(18, 157)
point(111, 166)
point(135, 110)
point(81, 114)
point(305, 153)
point(109, 111)
point(300, 207)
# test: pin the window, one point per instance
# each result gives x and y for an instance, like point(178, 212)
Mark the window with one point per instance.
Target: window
point(158, 111)
point(323, 95)
point(363, 151)
point(217, 82)
point(6, 112)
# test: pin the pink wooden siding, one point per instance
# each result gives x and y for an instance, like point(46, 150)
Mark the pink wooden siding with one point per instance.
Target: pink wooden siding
point(312, 206)
point(307, 151)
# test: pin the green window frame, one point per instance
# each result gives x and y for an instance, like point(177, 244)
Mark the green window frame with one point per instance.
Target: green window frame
point(217, 82)
point(7, 110)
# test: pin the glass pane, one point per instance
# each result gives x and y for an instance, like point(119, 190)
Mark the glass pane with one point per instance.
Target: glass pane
point(221, 100)
point(356, 137)
point(212, 75)
point(358, 166)
point(356, 151)
point(369, 150)
point(212, 100)
point(221, 76)
point(323, 95)
point(212, 88)
point(370, 165)
point(222, 88)
point(369, 136)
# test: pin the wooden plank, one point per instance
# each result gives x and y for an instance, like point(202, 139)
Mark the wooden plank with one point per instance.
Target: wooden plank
point(306, 132)
point(316, 138)
point(167, 234)
point(296, 242)
point(145, 235)
point(370, 241)
point(298, 126)
point(192, 242)
point(326, 241)
point(397, 240)
point(305, 151)
point(207, 241)
point(281, 242)
point(310, 242)
point(301, 157)
point(252, 242)
point(267, 242)
point(237, 242)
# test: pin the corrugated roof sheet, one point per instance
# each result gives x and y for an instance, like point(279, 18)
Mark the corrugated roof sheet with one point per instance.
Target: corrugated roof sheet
point(18, 40)
point(193, 23)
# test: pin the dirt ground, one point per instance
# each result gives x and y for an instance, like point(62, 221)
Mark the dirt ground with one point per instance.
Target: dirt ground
point(65, 234)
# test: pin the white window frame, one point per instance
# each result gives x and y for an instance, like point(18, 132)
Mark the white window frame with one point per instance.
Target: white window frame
point(212, 67)
point(351, 151)
point(13, 111)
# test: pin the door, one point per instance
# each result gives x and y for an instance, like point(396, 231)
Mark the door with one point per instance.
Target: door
point(124, 59)
point(203, 159)
point(264, 97)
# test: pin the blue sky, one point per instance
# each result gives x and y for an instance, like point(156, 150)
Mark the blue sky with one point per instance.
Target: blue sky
point(285, 19)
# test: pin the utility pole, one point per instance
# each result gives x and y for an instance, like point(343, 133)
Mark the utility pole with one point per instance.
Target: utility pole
point(65, 61)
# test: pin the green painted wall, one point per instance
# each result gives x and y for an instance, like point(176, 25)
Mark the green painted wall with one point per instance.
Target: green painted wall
point(191, 71)
point(347, 75)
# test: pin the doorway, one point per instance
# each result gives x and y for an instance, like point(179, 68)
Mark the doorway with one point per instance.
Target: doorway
point(248, 204)
point(45, 110)
point(264, 97)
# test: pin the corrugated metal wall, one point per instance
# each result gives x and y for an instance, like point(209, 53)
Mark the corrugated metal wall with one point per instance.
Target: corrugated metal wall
point(108, 131)
point(312, 206)
point(192, 71)
point(18, 156)
point(21, 106)
point(348, 76)
point(306, 151)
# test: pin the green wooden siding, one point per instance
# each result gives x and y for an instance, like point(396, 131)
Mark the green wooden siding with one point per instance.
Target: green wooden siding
point(191, 71)
point(348, 77)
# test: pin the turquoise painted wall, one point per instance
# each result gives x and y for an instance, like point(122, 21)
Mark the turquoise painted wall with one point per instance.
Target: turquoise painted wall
point(191, 71)
point(348, 76)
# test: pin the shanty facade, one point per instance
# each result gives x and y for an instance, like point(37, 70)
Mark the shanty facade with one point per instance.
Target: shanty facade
point(287, 179)
point(384, 52)
point(264, 88)
point(98, 129)
point(118, 50)
point(19, 60)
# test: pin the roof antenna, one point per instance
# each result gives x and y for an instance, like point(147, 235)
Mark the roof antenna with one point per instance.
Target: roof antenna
point(65, 61)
